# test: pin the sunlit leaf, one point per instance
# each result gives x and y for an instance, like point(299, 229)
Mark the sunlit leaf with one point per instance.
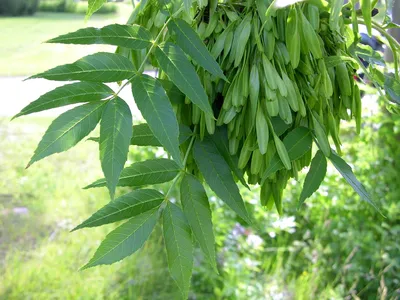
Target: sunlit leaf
point(115, 136)
point(68, 129)
point(73, 93)
point(198, 213)
point(93, 6)
point(125, 240)
point(190, 42)
point(179, 246)
point(98, 67)
point(124, 207)
point(128, 36)
point(314, 177)
point(175, 64)
point(156, 108)
point(153, 171)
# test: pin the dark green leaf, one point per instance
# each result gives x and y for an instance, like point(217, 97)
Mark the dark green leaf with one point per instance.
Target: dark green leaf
point(179, 246)
point(146, 172)
point(279, 125)
point(98, 67)
point(175, 64)
point(297, 143)
point(198, 213)
point(143, 136)
point(347, 173)
point(128, 36)
point(220, 139)
point(125, 240)
point(124, 207)
point(218, 175)
point(392, 88)
point(155, 107)
point(190, 42)
point(174, 94)
point(93, 6)
point(314, 177)
point(73, 93)
point(68, 129)
point(115, 136)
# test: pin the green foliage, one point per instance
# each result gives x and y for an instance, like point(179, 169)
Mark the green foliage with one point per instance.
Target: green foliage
point(303, 100)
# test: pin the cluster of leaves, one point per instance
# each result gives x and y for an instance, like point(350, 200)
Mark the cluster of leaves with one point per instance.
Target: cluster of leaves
point(143, 207)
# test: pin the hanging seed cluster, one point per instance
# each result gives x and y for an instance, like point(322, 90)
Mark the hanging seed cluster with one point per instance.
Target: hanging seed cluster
point(285, 68)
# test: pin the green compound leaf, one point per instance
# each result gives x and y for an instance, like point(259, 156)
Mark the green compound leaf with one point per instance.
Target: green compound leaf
point(146, 172)
point(175, 64)
point(218, 175)
point(143, 136)
point(190, 42)
point(220, 139)
point(347, 173)
point(297, 143)
point(115, 137)
point(125, 240)
point(93, 6)
point(128, 36)
point(157, 110)
point(79, 92)
point(124, 207)
point(98, 67)
point(68, 129)
point(314, 177)
point(179, 246)
point(198, 213)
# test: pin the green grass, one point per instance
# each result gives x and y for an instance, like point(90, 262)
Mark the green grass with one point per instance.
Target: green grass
point(39, 257)
point(23, 51)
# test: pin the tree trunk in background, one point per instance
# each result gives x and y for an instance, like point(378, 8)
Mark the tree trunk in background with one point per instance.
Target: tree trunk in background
point(395, 32)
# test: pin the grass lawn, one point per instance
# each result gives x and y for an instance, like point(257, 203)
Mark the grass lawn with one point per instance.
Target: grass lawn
point(23, 51)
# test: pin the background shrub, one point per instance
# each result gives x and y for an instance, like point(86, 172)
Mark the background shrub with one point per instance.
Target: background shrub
point(18, 7)
point(71, 6)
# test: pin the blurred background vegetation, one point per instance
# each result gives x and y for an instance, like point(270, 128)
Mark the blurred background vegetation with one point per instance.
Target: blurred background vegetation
point(334, 247)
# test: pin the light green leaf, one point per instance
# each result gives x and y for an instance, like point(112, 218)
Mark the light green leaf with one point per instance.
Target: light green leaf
point(297, 143)
point(73, 93)
point(179, 246)
point(187, 4)
point(142, 173)
point(155, 107)
point(98, 67)
point(124, 207)
point(218, 175)
point(128, 36)
point(314, 177)
point(175, 64)
point(68, 129)
point(347, 173)
point(93, 6)
point(220, 139)
point(198, 213)
point(190, 42)
point(115, 137)
point(125, 240)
